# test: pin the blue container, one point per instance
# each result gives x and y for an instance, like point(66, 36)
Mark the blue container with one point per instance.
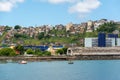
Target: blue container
point(101, 40)
point(58, 46)
point(42, 48)
point(112, 35)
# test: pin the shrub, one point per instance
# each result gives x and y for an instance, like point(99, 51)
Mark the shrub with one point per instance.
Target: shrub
point(60, 51)
point(7, 52)
point(20, 49)
point(38, 52)
point(46, 53)
point(30, 51)
point(65, 50)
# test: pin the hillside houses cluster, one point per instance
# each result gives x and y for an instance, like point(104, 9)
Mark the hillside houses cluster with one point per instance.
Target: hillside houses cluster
point(87, 26)
point(70, 27)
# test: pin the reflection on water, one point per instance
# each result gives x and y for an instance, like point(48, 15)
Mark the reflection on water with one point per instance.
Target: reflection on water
point(61, 70)
point(3, 62)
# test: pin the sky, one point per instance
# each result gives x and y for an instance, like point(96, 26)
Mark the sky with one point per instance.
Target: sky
point(51, 12)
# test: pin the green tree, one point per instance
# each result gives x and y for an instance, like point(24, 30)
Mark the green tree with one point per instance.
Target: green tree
point(16, 35)
point(7, 28)
point(38, 52)
point(30, 51)
point(64, 50)
point(107, 27)
point(17, 27)
point(7, 52)
point(60, 51)
point(41, 35)
point(20, 49)
point(46, 53)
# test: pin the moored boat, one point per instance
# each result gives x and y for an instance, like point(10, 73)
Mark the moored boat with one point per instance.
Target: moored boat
point(23, 62)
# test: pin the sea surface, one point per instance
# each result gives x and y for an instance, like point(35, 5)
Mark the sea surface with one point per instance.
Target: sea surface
point(61, 70)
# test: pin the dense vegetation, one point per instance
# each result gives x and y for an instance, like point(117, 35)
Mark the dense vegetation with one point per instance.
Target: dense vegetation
point(108, 27)
point(13, 52)
point(38, 52)
point(7, 52)
point(17, 27)
point(17, 35)
point(61, 51)
point(20, 49)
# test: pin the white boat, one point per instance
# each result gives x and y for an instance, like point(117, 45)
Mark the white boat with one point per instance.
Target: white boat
point(23, 62)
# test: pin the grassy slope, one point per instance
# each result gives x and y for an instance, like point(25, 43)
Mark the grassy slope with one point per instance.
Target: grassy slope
point(2, 37)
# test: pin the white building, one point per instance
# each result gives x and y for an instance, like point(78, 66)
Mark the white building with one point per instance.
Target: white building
point(91, 42)
point(118, 41)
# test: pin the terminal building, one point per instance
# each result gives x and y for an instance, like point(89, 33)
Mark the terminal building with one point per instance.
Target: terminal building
point(103, 45)
point(112, 40)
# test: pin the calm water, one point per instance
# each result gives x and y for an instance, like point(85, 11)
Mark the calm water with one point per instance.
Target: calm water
point(61, 70)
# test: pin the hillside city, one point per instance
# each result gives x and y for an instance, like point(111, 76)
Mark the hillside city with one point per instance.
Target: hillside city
point(69, 34)
point(49, 40)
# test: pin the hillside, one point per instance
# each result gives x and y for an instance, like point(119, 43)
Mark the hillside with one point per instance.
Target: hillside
point(57, 35)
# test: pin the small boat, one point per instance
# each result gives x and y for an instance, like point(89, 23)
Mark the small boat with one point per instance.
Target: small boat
point(70, 62)
point(9, 61)
point(23, 62)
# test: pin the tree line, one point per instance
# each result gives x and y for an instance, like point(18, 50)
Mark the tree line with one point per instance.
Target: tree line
point(19, 50)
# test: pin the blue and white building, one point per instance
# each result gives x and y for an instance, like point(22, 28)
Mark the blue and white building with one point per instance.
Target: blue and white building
point(102, 41)
point(93, 42)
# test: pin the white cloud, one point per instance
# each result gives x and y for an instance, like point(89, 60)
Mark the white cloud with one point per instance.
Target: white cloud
point(8, 5)
point(84, 7)
point(80, 7)
point(60, 1)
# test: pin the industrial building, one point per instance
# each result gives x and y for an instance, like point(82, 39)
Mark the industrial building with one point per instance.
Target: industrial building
point(118, 41)
point(111, 41)
point(93, 42)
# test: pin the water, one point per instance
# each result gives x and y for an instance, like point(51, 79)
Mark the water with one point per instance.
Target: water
point(61, 70)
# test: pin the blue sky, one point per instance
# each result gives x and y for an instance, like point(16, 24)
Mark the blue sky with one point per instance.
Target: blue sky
point(40, 12)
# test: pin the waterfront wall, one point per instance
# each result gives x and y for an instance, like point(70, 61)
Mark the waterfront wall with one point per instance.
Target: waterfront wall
point(49, 58)
point(81, 57)
point(94, 51)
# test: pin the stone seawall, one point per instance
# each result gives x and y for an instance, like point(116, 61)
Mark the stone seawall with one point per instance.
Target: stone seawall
point(18, 58)
point(98, 57)
point(81, 57)
point(94, 51)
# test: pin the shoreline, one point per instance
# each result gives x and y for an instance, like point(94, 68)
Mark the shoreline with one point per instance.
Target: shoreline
point(61, 58)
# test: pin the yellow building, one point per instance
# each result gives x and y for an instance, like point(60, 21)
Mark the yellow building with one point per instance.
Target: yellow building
point(90, 26)
point(53, 49)
point(68, 26)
